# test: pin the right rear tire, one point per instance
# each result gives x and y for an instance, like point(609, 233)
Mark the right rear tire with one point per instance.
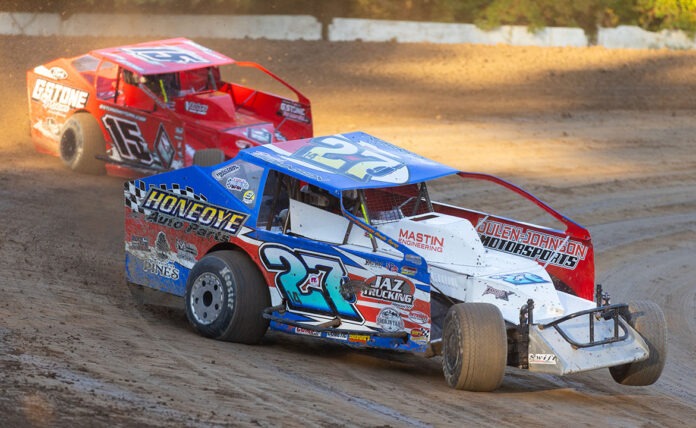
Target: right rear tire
point(474, 347)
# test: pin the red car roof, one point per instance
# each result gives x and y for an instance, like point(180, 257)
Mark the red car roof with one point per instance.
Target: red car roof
point(163, 56)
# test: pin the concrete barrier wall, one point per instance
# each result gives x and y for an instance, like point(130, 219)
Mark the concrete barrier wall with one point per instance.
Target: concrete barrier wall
point(372, 30)
point(275, 27)
point(29, 24)
point(629, 37)
point(304, 27)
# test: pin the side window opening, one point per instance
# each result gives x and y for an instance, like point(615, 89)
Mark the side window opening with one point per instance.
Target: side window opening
point(275, 201)
point(280, 189)
point(86, 65)
point(294, 207)
point(139, 90)
point(106, 77)
point(320, 198)
point(133, 96)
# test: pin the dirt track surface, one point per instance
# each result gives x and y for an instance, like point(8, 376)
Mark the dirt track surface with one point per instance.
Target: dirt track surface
point(605, 136)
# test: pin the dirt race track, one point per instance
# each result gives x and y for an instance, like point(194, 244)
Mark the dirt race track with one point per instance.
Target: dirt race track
point(607, 137)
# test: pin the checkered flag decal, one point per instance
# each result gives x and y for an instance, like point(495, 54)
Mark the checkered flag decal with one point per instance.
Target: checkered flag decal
point(425, 332)
point(186, 192)
point(135, 191)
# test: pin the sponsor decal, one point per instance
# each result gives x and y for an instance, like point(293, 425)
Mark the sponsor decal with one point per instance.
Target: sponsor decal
point(358, 338)
point(193, 228)
point(164, 147)
point(124, 113)
point(390, 288)
point(237, 184)
point(293, 111)
point(58, 73)
point(162, 246)
point(199, 213)
point(306, 331)
point(407, 270)
point(532, 244)
point(49, 128)
point(420, 334)
point(423, 241)
point(388, 265)
point(223, 172)
point(161, 268)
point(314, 281)
point(525, 278)
point(249, 197)
point(196, 108)
point(418, 317)
point(58, 98)
point(542, 359)
point(139, 243)
point(390, 320)
point(260, 135)
point(498, 294)
point(336, 336)
point(186, 251)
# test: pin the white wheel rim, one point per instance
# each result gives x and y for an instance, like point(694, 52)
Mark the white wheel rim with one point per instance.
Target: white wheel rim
point(207, 298)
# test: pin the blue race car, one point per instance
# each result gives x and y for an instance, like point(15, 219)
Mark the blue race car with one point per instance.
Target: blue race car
point(351, 239)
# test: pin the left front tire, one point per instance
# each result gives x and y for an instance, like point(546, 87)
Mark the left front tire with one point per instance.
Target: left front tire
point(474, 347)
point(226, 296)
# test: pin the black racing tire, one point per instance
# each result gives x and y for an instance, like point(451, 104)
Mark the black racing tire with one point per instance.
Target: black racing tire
point(474, 347)
point(208, 157)
point(81, 141)
point(226, 296)
point(649, 321)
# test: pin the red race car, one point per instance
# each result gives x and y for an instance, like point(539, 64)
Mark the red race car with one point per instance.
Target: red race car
point(150, 107)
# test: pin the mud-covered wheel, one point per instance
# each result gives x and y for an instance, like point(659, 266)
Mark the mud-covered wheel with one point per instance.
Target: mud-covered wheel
point(208, 157)
point(80, 142)
point(226, 296)
point(474, 347)
point(649, 321)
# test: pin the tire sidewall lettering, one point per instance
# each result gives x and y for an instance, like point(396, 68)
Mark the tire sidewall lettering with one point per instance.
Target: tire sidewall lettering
point(228, 281)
